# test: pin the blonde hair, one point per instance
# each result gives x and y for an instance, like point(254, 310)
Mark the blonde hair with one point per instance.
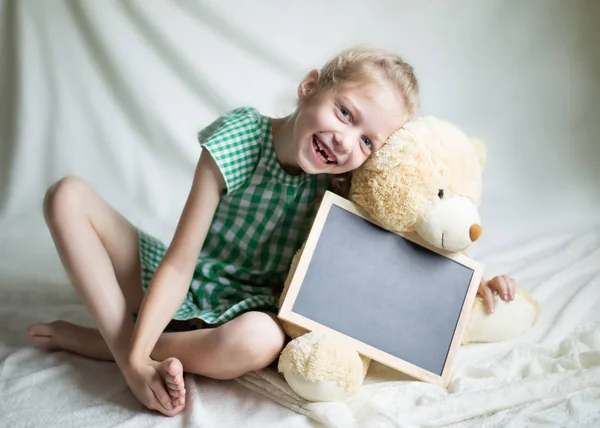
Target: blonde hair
point(364, 64)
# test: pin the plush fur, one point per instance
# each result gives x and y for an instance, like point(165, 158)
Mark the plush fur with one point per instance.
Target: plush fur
point(427, 178)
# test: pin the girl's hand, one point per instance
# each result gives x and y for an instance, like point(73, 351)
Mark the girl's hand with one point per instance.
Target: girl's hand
point(148, 386)
point(502, 285)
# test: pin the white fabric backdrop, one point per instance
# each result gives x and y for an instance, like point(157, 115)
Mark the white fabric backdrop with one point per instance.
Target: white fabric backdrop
point(115, 91)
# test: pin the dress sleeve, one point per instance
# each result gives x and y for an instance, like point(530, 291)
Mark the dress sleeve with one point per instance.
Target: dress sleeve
point(234, 141)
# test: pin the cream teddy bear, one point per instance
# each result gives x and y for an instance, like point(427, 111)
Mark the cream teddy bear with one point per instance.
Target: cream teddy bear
point(427, 179)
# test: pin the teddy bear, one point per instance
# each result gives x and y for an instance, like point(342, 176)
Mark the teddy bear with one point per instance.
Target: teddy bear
point(426, 179)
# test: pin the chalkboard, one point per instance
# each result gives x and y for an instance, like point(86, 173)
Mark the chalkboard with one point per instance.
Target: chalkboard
point(395, 298)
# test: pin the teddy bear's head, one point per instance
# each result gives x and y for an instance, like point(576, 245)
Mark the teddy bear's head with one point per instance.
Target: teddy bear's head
point(426, 178)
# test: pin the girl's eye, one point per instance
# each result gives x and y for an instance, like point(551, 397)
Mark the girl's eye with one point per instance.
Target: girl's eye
point(367, 142)
point(345, 112)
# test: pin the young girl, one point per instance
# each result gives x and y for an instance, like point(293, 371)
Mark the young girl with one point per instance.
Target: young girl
point(252, 201)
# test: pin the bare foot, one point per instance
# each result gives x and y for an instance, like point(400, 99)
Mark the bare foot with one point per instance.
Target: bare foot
point(65, 336)
point(171, 371)
point(62, 335)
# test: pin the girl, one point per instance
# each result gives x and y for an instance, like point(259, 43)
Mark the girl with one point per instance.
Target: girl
point(255, 191)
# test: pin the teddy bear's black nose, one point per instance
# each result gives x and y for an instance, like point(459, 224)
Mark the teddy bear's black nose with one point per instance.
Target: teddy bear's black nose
point(441, 193)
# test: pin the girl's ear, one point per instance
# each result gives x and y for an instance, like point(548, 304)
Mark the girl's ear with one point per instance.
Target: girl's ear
point(308, 85)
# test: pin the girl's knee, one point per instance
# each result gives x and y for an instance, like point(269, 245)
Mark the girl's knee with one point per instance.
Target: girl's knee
point(259, 337)
point(62, 197)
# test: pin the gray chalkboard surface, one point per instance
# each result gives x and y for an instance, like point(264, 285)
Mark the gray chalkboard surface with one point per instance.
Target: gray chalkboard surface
point(380, 289)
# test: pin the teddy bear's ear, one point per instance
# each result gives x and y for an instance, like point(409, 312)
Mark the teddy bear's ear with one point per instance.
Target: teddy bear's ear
point(481, 152)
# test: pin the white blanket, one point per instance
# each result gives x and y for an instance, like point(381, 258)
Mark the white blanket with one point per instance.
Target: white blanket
point(550, 376)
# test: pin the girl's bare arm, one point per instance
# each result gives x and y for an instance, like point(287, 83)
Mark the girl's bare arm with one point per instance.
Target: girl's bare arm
point(173, 275)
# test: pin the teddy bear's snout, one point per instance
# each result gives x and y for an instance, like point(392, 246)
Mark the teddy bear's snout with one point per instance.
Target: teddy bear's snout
point(452, 224)
point(475, 232)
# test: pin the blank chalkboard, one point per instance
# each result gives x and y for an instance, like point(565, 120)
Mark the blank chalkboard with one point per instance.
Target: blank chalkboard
point(395, 298)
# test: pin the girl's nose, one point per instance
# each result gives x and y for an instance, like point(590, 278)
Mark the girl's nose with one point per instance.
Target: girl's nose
point(341, 144)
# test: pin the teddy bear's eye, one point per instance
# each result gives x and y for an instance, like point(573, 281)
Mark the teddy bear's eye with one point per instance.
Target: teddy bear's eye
point(441, 193)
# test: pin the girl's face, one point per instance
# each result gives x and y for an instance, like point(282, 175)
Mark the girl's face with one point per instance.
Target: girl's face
point(335, 132)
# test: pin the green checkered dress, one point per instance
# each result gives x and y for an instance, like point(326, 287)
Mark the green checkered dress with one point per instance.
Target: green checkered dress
point(260, 222)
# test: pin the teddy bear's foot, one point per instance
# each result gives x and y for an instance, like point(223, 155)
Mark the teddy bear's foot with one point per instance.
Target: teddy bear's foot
point(318, 391)
point(321, 367)
point(509, 320)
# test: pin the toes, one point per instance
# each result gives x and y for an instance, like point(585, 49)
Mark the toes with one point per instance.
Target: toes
point(44, 340)
point(174, 367)
point(174, 383)
point(175, 386)
point(44, 335)
point(173, 412)
point(40, 330)
point(171, 371)
point(176, 393)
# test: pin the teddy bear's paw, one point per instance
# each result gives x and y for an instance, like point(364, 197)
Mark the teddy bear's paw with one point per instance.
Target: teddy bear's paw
point(322, 367)
point(509, 320)
point(317, 391)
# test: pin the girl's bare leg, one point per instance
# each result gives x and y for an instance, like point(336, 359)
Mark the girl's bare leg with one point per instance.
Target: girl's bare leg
point(98, 248)
point(250, 342)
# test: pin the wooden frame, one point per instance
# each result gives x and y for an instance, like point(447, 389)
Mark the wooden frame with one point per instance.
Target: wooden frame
point(287, 314)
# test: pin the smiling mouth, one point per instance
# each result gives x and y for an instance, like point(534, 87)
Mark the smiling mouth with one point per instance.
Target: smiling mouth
point(323, 152)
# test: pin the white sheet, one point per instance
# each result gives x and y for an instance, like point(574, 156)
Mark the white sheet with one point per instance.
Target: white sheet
point(548, 377)
point(115, 91)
